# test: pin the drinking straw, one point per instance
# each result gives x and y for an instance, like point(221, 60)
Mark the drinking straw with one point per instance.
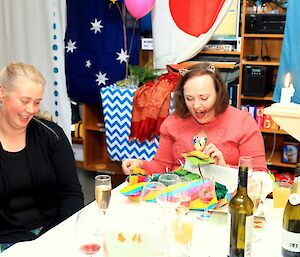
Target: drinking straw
point(272, 178)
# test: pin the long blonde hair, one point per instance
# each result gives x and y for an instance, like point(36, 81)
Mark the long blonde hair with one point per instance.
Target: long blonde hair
point(11, 72)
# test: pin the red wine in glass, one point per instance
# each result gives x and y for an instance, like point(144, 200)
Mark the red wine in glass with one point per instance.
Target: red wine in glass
point(90, 249)
point(206, 193)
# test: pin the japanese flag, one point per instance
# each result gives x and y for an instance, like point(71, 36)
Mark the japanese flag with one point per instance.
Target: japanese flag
point(181, 28)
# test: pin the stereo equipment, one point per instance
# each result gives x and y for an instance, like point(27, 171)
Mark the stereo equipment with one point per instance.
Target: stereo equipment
point(257, 80)
point(263, 23)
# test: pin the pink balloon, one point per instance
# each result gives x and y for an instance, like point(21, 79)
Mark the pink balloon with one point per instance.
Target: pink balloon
point(139, 8)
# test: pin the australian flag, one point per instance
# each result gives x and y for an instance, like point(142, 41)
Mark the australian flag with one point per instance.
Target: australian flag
point(95, 55)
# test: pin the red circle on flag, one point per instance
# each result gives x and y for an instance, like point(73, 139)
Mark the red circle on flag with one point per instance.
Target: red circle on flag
point(195, 17)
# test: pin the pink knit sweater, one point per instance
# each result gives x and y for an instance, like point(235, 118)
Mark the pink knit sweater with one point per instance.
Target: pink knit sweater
point(234, 132)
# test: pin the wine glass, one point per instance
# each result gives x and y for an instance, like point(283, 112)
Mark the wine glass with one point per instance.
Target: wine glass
point(172, 198)
point(186, 195)
point(247, 161)
point(206, 192)
point(153, 215)
point(88, 232)
point(103, 191)
point(254, 189)
point(169, 179)
point(150, 209)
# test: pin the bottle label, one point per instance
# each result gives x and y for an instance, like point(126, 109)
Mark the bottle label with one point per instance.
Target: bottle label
point(248, 235)
point(291, 241)
point(247, 244)
point(294, 199)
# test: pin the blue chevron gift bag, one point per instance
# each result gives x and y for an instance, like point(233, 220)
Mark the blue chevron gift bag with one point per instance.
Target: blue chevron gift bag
point(117, 110)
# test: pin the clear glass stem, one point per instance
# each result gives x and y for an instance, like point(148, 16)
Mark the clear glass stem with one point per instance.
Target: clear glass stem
point(205, 215)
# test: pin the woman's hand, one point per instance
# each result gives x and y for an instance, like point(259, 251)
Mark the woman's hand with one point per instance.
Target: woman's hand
point(215, 154)
point(129, 164)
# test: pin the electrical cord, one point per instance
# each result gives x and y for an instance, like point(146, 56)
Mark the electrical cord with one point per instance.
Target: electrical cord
point(273, 149)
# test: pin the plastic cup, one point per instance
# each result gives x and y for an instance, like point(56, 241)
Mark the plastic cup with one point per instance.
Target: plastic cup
point(281, 194)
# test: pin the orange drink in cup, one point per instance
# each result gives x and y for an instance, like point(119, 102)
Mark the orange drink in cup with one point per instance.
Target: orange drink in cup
point(281, 194)
point(183, 229)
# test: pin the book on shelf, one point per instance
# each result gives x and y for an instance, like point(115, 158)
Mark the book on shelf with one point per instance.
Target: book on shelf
point(233, 93)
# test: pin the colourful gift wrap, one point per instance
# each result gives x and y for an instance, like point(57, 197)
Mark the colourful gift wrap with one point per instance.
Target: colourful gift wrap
point(136, 183)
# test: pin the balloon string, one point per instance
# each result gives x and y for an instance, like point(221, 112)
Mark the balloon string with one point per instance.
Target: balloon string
point(123, 15)
point(132, 37)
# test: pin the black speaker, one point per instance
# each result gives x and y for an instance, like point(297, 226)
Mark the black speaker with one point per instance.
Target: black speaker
point(257, 80)
point(265, 23)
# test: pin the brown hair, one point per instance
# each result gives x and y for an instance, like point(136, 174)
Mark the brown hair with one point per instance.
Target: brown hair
point(196, 70)
point(11, 72)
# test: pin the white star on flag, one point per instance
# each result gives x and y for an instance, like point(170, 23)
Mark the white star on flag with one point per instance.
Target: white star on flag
point(88, 63)
point(71, 46)
point(101, 78)
point(123, 56)
point(96, 26)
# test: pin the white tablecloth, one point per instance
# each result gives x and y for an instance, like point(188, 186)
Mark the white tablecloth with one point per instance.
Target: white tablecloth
point(209, 238)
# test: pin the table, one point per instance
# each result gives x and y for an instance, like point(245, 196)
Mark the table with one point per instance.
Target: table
point(209, 238)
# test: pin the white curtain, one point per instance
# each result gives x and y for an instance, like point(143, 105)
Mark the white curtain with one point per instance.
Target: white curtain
point(171, 44)
point(32, 31)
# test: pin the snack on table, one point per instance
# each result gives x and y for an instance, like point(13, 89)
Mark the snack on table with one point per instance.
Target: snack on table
point(198, 154)
point(137, 171)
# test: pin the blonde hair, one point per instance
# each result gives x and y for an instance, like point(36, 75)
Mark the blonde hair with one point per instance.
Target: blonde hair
point(11, 72)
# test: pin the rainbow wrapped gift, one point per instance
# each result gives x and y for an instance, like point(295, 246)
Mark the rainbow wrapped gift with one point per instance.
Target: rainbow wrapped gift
point(135, 185)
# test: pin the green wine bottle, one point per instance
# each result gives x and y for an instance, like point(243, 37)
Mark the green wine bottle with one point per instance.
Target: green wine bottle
point(291, 220)
point(241, 219)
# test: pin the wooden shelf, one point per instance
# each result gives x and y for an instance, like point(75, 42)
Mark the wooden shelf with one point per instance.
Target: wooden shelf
point(262, 45)
point(262, 63)
point(221, 65)
point(276, 160)
point(272, 131)
point(94, 147)
point(95, 127)
point(246, 35)
point(267, 97)
point(77, 140)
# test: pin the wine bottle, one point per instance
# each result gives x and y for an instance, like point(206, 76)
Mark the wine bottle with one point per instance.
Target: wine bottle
point(291, 220)
point(241, 218)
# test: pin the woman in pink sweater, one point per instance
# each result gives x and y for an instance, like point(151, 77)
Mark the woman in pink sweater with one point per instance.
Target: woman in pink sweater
point(202, 110)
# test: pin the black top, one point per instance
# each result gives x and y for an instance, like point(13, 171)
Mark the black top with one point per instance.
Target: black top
point(22, 206)
point(38, 185)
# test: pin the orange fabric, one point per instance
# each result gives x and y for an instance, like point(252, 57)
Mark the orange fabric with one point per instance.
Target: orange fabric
point(151, 104)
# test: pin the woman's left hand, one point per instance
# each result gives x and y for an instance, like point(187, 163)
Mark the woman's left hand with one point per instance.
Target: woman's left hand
point(215, 154)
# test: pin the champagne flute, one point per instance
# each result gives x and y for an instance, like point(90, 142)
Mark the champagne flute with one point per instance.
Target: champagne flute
point(103, 191)
point(206, 192)
point(254, 192)
point(88, 233)
point(254, 189)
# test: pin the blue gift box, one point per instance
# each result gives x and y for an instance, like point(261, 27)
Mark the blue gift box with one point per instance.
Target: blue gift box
point(117, 110)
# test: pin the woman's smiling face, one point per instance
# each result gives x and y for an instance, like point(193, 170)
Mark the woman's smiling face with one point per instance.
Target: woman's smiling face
point(22, 103)
point(200, 97)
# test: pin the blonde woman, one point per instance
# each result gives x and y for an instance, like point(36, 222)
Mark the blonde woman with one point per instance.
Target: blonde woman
point(39, 186)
